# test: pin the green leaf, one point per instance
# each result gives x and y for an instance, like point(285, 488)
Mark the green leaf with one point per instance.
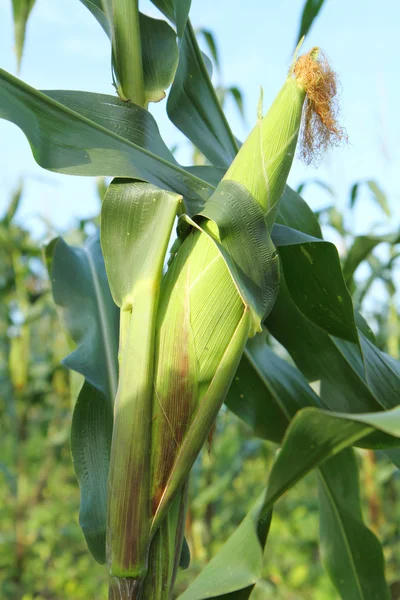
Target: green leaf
point(294, 212)
point(66, 141)
point(194, 108)
point(310, 12)
point(176, 11)
point(315, 281)
point(350, 552)
point(267, 391)
point(97, 10)
point(382, 373)
point(159, 50)
point(337, 363)
point(21, 12)
point(81, 291)
point(314, 436)
point(91, 432)
point(140, 217)
point(159, 56)
point(236, 567)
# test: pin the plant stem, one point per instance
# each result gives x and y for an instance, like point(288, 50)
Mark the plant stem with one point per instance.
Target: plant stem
point(128, 51)
point(124, 588)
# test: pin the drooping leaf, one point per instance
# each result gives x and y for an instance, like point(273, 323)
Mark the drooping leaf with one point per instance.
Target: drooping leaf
point(314, 436)
point(80, 290)
point(66, 141)
point(21, 12)
point(350, 552)
point(310, 12)
point(294, 212)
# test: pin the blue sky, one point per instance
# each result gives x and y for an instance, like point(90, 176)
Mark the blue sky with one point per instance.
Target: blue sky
point(66, 48)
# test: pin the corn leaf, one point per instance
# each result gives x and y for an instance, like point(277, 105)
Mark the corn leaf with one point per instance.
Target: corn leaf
point(140, 217)
point(176, 11)
point(310, 12)
point(350, 552)
point(236, 567)
point(66, 141)
point(21, 12)
point(81, 291)
point(313, 437)
point(91, 432)
point(159, 55)
point(194, 108)
point(267, 391)
point(159, 51)
point(341, 364)
point(315, 281)
point(13, 206)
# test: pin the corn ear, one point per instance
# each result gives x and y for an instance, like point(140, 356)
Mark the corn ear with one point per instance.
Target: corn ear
point(265, 159)
point(220, 285)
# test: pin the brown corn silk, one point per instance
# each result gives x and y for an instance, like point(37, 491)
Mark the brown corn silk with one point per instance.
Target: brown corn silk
point(320, 128)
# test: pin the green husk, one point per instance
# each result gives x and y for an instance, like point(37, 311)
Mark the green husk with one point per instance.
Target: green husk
point(265, 159)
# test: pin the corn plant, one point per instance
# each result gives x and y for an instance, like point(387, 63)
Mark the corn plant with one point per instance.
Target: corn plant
point(164, 337)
